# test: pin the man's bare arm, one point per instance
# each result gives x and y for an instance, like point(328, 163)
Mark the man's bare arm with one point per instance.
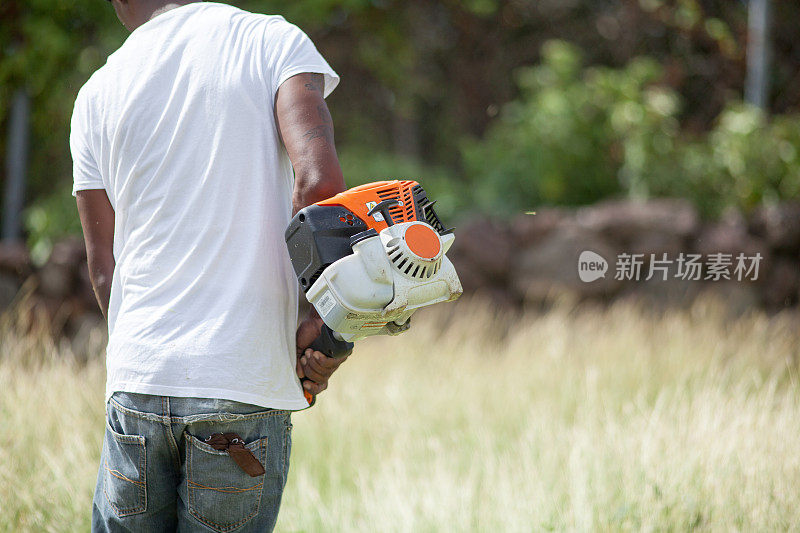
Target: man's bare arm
point(97, 220)
point(306, 128)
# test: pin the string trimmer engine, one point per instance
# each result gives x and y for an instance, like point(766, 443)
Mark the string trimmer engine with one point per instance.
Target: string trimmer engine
point(368, 258)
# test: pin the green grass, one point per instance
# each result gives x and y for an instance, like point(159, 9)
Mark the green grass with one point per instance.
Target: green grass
point(479, 420)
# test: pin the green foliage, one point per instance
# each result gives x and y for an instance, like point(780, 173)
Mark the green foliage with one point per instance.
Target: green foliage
point(50, 49)
point(578, 135)
point(48, 220)
point(361, 166)
point(755, 159)
point(574, 136)
point(746, 160)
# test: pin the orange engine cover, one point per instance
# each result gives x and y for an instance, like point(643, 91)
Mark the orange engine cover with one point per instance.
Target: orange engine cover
point(359, 200)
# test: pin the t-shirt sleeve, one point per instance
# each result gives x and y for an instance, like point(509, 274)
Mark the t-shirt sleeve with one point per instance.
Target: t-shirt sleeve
point(291, 52)
point(85, 170)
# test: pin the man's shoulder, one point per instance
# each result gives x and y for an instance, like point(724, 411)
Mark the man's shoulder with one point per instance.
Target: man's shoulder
point(240, 22)
point(88, 93)
point(270, 23)
point(213, 8)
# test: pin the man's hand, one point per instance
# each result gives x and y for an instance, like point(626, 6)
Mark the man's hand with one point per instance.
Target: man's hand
point(315, 366)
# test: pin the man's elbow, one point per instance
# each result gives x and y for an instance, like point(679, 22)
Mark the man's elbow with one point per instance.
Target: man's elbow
point(101, 280)
point(101, 270)
point(311, 187)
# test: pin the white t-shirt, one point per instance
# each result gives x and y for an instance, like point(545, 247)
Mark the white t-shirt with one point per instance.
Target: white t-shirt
point(178, 127)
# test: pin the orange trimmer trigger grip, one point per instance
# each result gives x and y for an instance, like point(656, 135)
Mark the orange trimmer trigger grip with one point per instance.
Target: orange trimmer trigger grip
point(310, 398)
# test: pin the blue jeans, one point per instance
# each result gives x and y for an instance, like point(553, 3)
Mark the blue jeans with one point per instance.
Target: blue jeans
point(158, 474)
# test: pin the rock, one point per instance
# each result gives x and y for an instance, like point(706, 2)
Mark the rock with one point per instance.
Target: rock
point(657, 244)
point(471, 277)
point(527, 230)
point(551, 267)
point(55, 281)
point(661, 293)
point(626, 221)
point(59, 277)
point(70, 252)
point(9, 287)
point(781, 282)
point(502, 297)
point(730, 236)
point(15, 259)
point(486, 245)
point(778, 225)
point(88, 335)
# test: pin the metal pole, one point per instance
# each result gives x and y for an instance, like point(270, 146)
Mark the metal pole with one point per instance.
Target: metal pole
point(759, 54)
point(16, 166)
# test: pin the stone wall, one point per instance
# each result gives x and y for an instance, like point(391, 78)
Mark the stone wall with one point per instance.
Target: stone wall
point(527, 260)
point(533, 259)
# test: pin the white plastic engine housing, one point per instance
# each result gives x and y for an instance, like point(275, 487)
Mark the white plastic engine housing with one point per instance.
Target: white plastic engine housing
point(375, 290)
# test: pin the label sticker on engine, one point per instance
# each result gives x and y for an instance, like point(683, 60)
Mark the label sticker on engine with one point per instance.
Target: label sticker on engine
point(379, 216)
point(325, 304)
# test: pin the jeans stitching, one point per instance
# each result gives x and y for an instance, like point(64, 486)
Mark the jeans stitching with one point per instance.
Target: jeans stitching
point(123, 512)
point(141, 485)
point(170, 437)
point(227, 490)
point(120, 475)
point(138, 414)
point(189, 477)
point(286, 437)
point(180, 419)
point(283, 458)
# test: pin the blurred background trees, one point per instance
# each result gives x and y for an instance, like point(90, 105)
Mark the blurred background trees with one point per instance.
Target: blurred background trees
point(495, 105)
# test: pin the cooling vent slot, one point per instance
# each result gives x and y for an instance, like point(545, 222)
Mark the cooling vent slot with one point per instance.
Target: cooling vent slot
point(399, 213)
point(410, 267)
point(425, 209)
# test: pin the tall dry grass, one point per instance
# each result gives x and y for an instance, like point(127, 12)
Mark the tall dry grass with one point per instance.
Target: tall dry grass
point(478, 420)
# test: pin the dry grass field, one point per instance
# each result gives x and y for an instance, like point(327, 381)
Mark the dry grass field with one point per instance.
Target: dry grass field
point(478, 420)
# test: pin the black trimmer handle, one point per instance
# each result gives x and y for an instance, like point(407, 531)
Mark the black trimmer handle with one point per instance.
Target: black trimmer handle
point(328, 344)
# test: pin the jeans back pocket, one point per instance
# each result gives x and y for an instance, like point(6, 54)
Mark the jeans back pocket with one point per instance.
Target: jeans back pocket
point(124, 472)
point(219, 493)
